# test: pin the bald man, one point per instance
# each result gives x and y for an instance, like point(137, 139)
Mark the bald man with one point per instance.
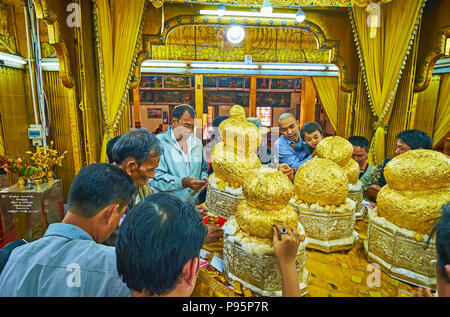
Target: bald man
point(284, 147)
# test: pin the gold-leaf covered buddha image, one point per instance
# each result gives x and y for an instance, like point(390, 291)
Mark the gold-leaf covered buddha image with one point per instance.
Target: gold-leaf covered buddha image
point(418, 184)
point(351, 169)
point(267, 192)
point(232, 167)
point(238, 134)
point(321, 181)
point(236, 156)
point(418, 170)
point(268, 188)
point(335, 148)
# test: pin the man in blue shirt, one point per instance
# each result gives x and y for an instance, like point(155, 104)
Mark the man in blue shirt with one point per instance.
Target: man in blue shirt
point(70, 259)
point(284, 147)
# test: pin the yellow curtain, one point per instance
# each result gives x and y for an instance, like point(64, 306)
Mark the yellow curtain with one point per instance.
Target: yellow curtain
point(383, 58)
point(327, 88)
point(118, 30)
point(442, 121)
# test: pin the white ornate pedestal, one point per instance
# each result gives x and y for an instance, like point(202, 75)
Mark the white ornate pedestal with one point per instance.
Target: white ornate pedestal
point(222, 202)
point(328, 232)
point(399, 253)
point(355, 193)
point(255, 265)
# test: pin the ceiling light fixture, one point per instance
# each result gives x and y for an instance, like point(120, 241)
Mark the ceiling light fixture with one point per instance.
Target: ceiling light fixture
point(266, 7)
point(221, 10)
point(300, 16)
point(235, 34)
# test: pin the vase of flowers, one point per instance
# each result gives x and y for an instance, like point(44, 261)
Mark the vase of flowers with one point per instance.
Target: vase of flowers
point(20, 166)
point(47, 158)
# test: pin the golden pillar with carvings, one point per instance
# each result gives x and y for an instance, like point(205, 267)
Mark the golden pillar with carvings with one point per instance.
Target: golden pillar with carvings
point(308, 101)
point(137, 108)
point(252, 100)
point(199, 104)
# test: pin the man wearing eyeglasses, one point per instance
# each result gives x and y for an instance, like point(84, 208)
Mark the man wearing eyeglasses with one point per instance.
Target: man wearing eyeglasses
point(182, 169)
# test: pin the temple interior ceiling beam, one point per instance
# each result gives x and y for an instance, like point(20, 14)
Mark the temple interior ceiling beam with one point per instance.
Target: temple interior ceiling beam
point(281, 3)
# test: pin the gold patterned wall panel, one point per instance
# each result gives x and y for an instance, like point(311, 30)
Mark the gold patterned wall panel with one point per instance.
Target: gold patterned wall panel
point(16, 110)
point(425, 103)
point(8, 42)
point(64, 124)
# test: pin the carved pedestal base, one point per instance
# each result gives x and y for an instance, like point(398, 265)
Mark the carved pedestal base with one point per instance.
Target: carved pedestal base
point(260, 272)
point(221, 203)
point(399, 253)
point(327, 232)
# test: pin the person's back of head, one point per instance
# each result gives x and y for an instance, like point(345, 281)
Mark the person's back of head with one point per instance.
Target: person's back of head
point(109, 148)
point(309, 128)
point(360, 141)
point(96, 187)
point(158, 246)
point(218, 120)
point(416, 139)
point(139, 144)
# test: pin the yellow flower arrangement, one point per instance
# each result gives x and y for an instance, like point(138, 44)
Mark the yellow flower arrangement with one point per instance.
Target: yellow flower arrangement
point(46, 158)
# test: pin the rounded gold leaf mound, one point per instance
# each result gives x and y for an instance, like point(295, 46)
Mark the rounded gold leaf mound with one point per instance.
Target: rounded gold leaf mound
point(351, 169)
point(232, 167)
point(335, 148)
point(321, 181)
point(412, 210)
point(267, 188)
point(239, 134)
point(259, 223)
point(418, 170)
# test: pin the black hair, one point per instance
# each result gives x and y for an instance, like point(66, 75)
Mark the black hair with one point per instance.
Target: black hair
point(360, 141)
point(309, 128)
point(179, 111)
point(109, 148)
point(139, 144)
point(156, 239)
point(98, 185)
point(218, 120)
point(416, 139)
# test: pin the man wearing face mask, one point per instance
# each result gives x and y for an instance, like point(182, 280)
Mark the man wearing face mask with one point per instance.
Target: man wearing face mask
point(182, 170)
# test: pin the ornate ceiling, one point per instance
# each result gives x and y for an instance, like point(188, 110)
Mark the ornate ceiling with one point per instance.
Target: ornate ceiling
point(281, 3)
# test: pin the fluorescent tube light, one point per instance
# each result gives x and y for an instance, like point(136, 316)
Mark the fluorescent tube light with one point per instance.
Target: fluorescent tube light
point(12, 59)
point(249, 14)
point(299, 67)
point(163, 64)
point(222, 65)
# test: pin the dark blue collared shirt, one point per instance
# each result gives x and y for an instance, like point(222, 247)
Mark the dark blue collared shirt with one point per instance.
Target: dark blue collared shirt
point(65, 262)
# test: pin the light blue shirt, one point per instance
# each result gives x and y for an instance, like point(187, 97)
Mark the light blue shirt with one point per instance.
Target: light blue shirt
point(286, 154)
point(174, 165)
point(66, 262)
